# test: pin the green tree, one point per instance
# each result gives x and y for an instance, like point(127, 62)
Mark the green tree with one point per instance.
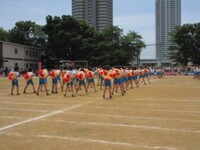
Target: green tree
point(132, 45)
point(107, 49)
point(68, 38)
point(185, 44)
point(113, 48)
point(3, 34)
point(27, 33)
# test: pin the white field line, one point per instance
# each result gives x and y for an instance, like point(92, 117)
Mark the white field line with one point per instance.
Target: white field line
point(126, 126)
point(165, 100)
point(152, 110)
point(22, 109)
point(45, 104)
point(11, 117)
point(60, 101)
point(142, 118)
point(133, 103)
point(34, 104)
point(43, 116)
point(105, 142)
point(86, 140)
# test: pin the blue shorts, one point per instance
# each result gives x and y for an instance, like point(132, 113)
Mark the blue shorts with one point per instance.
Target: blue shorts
point(129, 78)
point(118, 81)
point(115, 81)
point(15, 83)
point(81, 82)
point(30, 82)
point(90, 80)
point(134, 78)
point(42, 81)
point(54, 80)
point(125, 79)
point(58, 78)
point(145, 75)
point(141, 76)
point(107, 83)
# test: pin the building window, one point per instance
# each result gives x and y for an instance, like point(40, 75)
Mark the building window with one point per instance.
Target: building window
point(26, 53)
point(36, 54)
point(30, 53)
point(15, 51)
point(26, 65)
point(16, 64)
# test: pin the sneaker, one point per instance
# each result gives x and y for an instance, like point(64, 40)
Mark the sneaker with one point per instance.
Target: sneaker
point(56, 92)
point(103, 96)
point(11, 93)
point(65, 95)
point(52, 92)
point(37, 93)
point(34, 92)
point(18, 94)
point(73, 95)
point(110, 96)
point(24, 92)
point(47, 94)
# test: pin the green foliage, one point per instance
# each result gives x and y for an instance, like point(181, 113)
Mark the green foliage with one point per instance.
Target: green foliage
point(27, 33)
point(68, 38)
point(185, 44)
point(112, 48)
point(3, 34)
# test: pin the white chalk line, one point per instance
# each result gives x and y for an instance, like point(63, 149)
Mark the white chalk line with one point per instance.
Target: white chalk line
point(44, 116)
point(34, 104)
point(11, 117)
point(22, 109)
point(60, 101)
point(152, 110)
point(141, 118)
point(87, 140)
point(164, 100)
point(105, 142)
point(148, 104)
point(126, 126)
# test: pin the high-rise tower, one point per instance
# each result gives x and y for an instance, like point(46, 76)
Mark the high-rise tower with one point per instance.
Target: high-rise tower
point(98, 13)
point(168, 16)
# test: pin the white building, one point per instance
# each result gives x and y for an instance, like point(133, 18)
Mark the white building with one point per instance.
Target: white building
point(24, 57)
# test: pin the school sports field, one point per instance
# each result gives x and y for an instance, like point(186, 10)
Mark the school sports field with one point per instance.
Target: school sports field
point(163, 115)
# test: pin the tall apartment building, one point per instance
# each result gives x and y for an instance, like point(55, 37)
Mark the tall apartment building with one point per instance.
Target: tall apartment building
point(98, 13)
point(168, 16)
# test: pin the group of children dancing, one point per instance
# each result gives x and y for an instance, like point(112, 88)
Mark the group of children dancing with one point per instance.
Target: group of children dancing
point(72, 80)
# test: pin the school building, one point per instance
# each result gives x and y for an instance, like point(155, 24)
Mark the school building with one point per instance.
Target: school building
point(24, 57)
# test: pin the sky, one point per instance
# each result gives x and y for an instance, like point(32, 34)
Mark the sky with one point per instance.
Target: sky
point(129, 15)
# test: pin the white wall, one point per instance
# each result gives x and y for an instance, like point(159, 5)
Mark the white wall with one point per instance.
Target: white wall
point(26, 57)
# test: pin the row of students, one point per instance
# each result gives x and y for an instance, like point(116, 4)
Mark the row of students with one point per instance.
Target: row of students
point(112, 79)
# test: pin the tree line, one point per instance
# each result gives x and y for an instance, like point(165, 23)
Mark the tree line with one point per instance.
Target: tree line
point(67, 38)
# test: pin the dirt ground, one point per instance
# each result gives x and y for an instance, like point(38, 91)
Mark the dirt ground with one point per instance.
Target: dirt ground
point(163, 115)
